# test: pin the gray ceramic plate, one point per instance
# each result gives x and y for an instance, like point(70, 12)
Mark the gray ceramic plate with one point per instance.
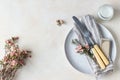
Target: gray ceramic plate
point(80, 62)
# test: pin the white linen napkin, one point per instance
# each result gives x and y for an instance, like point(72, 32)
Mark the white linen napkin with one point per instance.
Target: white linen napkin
point(93, 27)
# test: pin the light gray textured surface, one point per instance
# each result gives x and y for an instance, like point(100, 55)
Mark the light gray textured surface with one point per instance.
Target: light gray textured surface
point(35, 22)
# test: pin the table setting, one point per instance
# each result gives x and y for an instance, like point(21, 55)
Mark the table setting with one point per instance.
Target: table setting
point(93, 45)
point(84, 39)
point(59, 40)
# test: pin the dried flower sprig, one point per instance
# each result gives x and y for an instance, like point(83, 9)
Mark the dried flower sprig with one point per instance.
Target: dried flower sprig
point(60, 22)
point(82, 49)
point(13, 60)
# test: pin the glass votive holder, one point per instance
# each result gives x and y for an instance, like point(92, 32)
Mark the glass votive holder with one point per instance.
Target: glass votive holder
point(106, 12)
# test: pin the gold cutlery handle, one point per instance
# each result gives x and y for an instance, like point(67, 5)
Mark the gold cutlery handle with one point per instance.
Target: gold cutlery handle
point(99, 60)
point(101, 54)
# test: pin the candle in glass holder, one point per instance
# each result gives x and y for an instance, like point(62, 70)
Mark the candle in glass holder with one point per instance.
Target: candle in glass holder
point(106, 12)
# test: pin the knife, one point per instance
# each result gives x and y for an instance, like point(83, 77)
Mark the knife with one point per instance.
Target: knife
point(99, 55)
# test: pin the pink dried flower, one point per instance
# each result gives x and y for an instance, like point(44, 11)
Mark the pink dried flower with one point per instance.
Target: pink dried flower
point(5, 59)
point(16, 54)
point(79, 49)
point(12, 54)
point(13, 63)
point(9, 42)
point(87, 46)
point(21, 62)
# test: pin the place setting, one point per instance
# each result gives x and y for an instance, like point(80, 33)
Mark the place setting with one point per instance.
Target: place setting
point(89, 46)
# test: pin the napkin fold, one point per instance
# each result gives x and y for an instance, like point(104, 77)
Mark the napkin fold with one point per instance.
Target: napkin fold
point(93, 27)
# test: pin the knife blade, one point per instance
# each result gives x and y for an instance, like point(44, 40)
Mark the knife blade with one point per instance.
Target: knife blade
point(101, 58)
point(85, 32)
